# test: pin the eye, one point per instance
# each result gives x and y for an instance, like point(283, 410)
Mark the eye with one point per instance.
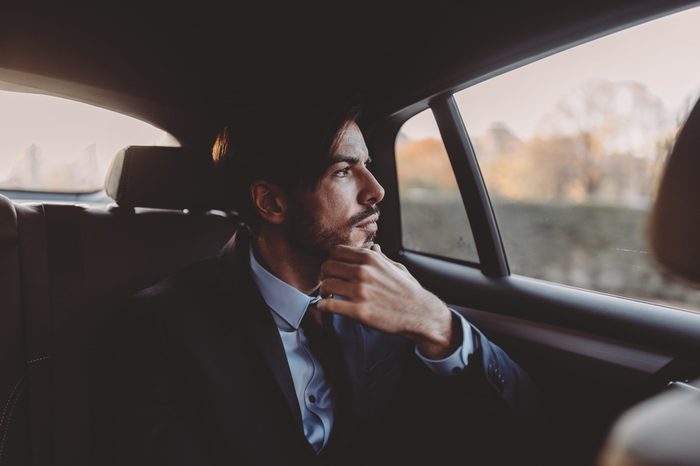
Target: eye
point(342, 172)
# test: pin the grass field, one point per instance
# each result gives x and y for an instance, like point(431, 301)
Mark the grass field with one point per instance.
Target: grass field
point(601, 248)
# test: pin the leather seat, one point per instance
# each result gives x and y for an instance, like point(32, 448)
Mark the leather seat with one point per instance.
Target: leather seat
point(13, 381)
point(675, 220)
point(74, 264)
point(663, 430)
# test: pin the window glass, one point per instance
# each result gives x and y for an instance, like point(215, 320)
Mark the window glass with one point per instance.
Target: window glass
point(433, 218)
point(571, 148)
point(51, 144)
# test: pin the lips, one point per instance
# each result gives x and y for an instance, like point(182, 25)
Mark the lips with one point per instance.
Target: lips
point(369, 221)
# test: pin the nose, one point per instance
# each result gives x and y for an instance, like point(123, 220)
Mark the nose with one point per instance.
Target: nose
point(373, 192)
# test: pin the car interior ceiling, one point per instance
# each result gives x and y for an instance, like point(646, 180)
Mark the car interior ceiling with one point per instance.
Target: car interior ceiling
point(58, 261)
point(203, 64)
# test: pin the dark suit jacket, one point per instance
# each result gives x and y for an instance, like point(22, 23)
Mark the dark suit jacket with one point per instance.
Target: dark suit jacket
point(199, 377)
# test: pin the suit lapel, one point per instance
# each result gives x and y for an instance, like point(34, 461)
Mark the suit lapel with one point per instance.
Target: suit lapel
point(244, 295)
point(266, 337)
point(369, 356)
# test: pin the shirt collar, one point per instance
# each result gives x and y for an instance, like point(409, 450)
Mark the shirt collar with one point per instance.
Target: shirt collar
point(286, 302)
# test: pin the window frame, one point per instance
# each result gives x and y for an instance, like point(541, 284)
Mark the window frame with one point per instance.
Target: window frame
point(475, 264)
point(472, 188)
point(475, 199)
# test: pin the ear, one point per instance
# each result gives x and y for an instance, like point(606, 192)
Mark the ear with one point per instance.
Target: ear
point(269, 200)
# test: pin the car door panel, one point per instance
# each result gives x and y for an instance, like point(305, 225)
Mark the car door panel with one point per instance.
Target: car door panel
point(592, 355)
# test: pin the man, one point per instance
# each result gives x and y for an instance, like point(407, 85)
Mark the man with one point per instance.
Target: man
point(303, 343)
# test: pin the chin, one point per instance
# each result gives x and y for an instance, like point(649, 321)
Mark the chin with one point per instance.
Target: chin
point(366, 242)
point(359, 239)
point(360, 244)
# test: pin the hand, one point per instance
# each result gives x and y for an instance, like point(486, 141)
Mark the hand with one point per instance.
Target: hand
point(382, 294)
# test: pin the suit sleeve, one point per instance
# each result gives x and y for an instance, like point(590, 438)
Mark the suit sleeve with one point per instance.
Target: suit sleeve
point(492, 374)
point(487, 414)
point(458, 360)
point(149, 412)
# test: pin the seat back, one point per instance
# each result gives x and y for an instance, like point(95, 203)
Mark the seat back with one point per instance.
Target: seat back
point(13, 380)
point(73, 265)
point(675, 220)
point(94, 259)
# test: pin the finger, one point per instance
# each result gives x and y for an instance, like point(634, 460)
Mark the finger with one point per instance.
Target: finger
point(335, 306)
point(337, 287)
point(377, 248)
point(337, 269)
point(398, 264)
point(352, 255)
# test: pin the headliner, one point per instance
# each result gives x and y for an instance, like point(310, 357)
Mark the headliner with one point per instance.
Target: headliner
point(185, 69)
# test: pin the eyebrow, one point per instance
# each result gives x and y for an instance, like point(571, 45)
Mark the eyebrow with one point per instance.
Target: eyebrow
point(349, 159)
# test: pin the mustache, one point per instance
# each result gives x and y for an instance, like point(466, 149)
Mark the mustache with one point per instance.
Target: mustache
point(360, 216)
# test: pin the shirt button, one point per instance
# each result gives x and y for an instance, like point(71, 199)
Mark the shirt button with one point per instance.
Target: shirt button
point(312, 399)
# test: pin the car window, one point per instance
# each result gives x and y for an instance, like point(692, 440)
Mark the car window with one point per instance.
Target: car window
point(433, 219)
point(50, 144)
point(571, 148)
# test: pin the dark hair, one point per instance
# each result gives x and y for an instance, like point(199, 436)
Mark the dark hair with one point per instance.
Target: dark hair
point(287, 144)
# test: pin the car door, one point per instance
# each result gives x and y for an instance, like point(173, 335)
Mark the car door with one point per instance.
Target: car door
point(521, 200)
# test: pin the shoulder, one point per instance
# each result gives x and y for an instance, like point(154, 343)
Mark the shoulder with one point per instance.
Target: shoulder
point(171, 298)
point(193, 278)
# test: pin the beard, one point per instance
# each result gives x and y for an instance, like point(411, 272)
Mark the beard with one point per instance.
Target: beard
point(309, 235)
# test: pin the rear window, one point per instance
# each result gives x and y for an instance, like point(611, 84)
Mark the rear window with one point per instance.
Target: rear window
point(50, 144)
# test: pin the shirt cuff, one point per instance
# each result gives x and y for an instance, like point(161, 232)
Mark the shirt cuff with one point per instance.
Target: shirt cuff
point(457, 361)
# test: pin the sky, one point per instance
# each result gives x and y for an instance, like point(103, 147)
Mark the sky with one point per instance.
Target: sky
point(663, 55)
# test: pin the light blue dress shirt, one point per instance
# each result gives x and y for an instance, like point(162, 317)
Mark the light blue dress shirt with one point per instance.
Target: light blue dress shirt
point(288, 306)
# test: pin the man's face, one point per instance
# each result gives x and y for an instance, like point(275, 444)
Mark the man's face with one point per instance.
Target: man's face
point(342, 209)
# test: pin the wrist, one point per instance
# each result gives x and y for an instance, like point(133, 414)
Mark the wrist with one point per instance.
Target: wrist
point(440, 337)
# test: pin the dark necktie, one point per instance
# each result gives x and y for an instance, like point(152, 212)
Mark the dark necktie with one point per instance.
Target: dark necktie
point(320, 335)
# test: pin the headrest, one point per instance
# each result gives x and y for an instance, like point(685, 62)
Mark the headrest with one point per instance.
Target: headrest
point(164, 178)
point(675, 219)
point(8, 221)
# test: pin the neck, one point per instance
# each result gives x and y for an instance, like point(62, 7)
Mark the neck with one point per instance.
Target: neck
point(287, 263)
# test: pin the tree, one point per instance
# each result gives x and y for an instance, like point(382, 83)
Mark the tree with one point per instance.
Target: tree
point(604, 118)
